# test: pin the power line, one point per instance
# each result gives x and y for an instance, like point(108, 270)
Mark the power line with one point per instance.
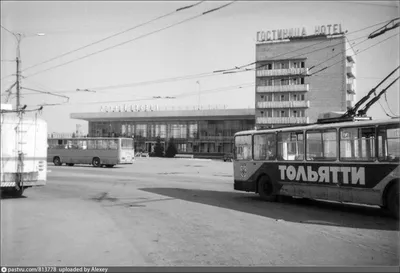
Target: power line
point(45, 92)
point(114, 35)
point(221, 89)
point(220, 71)
point(349, 33)
point(201, 75)
point(357, 53)
point(137, 38)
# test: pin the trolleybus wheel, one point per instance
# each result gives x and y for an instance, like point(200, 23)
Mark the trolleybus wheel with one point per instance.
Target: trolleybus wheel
point(96, 162)
point(393, 201)
point(57, 161)
point(265, 189)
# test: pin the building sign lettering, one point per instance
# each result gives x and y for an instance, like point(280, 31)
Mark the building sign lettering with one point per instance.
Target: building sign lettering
point(129, 108)
point(282, 34)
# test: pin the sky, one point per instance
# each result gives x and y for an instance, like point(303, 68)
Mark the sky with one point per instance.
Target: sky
point(128, 73)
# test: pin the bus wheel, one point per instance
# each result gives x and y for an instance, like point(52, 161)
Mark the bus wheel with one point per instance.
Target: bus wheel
point(57, 161)
point(393, 201)
point(265, 189)
point(96, 162)
point(109, 165)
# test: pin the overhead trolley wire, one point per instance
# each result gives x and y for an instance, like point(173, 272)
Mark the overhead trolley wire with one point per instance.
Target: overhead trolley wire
point(114, 35)
point(131, 40)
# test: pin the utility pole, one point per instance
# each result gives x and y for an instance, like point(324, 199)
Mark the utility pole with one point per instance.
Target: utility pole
point(18, 36)
point(17, 85)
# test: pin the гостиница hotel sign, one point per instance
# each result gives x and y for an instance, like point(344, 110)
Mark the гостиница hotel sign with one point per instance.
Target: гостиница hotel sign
point(282, 34)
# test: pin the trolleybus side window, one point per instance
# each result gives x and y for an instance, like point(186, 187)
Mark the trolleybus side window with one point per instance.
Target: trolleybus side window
point(243, 147)
point(290, 146)
point(321, 145)
point(389, 143)
point(264, 146)
point(357, 144)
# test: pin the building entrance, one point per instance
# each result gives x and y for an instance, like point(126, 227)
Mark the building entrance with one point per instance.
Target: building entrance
point(151, 144)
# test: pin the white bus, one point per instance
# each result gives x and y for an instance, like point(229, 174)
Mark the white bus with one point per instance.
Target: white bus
point(96, 151)
point(352, 161)
point(23, 152)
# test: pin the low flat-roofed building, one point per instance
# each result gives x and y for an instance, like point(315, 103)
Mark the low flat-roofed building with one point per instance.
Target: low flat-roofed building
point(203, 133)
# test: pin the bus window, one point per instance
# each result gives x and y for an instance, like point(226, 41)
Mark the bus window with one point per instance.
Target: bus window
point(290, 146)
point(127, 143)
point(112, 144)
point(321, 145)
point(101, 144)
point(264, 147)
point(389, 143)
point(82, 144)
point(91, 144)
point(243, 149)
point(357, 144)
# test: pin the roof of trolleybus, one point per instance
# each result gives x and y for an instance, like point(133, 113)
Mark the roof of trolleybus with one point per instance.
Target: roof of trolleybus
point(318, 126)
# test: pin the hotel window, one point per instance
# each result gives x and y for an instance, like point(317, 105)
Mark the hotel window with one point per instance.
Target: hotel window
point(262, 97)
point(269, 66)
point(302, 64)
point(300, 113)
point(284, 81)
point(301, 80)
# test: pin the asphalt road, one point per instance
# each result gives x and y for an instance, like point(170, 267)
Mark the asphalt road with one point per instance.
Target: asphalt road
point(183, 212)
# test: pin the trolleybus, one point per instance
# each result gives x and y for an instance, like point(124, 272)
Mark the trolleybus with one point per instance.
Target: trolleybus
point(350, 161)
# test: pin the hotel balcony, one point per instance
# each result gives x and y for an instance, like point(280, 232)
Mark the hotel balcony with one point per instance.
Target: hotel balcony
point(350, 71)
point(283, 104)
point(282, 72)
point(283, 88)
point(350, 88)
point(282, 120)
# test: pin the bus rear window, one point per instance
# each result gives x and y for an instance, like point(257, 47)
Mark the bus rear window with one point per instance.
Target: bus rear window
point(127, 143)
point(243, 150)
